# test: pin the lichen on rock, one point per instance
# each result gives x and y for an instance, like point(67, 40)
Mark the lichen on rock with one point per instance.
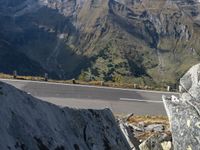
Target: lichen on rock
point(184, 113)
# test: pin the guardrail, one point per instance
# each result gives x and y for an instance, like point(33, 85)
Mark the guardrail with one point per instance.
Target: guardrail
point(46, 78)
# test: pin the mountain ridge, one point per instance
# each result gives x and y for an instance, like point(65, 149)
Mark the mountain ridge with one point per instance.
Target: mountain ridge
point(140, 41)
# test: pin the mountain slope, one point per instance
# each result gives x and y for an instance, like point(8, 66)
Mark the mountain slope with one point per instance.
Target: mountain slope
point(28, 123)
point(144, 41)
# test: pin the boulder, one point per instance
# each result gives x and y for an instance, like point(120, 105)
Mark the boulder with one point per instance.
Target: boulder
point(184, 112)
point(28, 123)
point(157, 142)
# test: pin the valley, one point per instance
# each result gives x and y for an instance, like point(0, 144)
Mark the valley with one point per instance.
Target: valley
point(147, 42)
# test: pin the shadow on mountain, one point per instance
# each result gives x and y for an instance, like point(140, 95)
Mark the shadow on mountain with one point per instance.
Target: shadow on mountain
point(40, 42)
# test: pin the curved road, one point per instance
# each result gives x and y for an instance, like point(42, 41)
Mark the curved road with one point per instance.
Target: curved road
point(82, 96)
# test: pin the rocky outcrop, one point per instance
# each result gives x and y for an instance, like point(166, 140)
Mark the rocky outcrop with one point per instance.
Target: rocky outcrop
point(184, 112)
point(28, 123)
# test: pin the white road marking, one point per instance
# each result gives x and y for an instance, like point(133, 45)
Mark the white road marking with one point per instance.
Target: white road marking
point(88, 86)
point(140, 100)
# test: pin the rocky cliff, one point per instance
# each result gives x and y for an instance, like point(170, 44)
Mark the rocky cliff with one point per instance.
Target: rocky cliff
point(139, 41)
point(28, 123)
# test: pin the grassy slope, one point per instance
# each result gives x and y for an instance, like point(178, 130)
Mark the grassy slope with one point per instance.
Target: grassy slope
point(109, 41)
point(128, 50)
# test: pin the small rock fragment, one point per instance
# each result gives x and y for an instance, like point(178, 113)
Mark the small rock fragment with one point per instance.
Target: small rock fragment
point(155, 127)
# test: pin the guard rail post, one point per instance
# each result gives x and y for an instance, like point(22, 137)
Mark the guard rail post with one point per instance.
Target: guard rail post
point(46, 77)
point(15, 74)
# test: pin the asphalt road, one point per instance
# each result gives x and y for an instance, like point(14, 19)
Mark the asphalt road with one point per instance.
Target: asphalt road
point(81, 96)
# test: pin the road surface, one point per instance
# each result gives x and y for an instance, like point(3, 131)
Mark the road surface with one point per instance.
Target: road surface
point(120, 101)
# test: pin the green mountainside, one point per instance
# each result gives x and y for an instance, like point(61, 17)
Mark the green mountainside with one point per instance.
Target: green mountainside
point(128, 41)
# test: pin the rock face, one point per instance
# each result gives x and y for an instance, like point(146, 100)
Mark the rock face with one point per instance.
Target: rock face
point(28, 123)
point(118, 40)
point(184, 112)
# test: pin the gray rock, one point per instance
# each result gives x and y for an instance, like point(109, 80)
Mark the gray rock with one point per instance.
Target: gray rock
point(155, 127)
point(157, 142)
point(141, 124)
point(184, 113)
point(167, 145)
point(29, 123)
point(135, 128)
point(129, 135)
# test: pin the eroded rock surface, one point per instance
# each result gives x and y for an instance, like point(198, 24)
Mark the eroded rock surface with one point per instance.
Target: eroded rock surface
point(184, 112)
point(28, 123)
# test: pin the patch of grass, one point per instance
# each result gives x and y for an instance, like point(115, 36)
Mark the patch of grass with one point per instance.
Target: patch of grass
point(149, 119)
point(5, 76)
point(145, 135)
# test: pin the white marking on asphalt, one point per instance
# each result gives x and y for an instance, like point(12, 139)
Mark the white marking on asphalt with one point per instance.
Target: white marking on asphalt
point(140, 100)
point(88, 86)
